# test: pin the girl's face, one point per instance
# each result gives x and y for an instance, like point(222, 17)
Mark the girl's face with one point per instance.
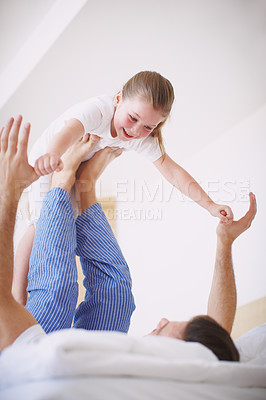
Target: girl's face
point(134, 118)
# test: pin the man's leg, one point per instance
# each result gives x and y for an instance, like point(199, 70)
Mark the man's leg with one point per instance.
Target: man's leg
point(53, 275)
point(109, 302)
point(52, 279)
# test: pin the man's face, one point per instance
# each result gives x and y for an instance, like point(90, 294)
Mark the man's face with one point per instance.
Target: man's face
point(174, 329)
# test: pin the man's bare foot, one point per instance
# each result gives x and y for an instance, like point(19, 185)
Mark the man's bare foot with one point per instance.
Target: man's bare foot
point(93, 168)
point(89, 172)
point(71, 160)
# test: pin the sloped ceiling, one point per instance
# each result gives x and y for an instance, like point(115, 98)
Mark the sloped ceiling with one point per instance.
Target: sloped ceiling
point(18, 19)
point(44, 25)
point(213, 51)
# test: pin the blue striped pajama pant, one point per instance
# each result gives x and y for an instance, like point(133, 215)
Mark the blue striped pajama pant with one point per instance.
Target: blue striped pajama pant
point(52, 279)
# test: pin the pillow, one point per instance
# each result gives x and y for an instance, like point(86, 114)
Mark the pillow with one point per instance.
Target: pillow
point(252, 345)
point(77, 352)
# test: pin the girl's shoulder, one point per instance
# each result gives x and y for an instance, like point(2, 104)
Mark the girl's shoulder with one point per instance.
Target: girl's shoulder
point(102, 104)
point(94, 113)
point(147, 147)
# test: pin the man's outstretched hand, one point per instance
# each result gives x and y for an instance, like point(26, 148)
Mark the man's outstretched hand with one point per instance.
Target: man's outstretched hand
point(228, 233)
point(15, 172)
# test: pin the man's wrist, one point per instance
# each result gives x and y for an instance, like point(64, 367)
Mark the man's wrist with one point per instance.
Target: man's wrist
point(224, 242)
point(10, 197)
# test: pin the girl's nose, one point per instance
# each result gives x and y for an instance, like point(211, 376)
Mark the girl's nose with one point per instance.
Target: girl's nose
point(135, 130)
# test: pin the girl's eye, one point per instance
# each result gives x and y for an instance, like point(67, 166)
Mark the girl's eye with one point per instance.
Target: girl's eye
point(148, 128)
point(132, 118)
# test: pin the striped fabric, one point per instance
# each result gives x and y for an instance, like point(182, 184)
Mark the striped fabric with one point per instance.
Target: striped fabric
point(52, 287)
point(109, 302)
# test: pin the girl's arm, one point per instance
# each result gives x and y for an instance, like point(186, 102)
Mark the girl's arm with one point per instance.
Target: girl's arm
point(51, 161)
point(180, 178)
point(71, 132)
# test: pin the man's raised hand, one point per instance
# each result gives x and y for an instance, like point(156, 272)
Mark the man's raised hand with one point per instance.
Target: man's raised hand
point(227, 233)
point(15, 172)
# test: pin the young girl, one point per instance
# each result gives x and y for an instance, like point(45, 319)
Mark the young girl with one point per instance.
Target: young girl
point(131, 120)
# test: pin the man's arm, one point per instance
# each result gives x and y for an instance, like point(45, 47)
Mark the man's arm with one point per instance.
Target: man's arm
point(15, 175)
point(222, 298)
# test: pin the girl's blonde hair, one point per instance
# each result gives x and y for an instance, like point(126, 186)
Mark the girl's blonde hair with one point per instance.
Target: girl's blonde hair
point(155, 89)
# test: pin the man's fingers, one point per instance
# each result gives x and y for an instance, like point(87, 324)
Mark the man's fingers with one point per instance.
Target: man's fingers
point(252, 206)
point(23, 140)
point(250, 214)
point(5, 134)
point(223, 220)
point(229, 213)
point(2, 130)
point(13, 136)
point(223, 217)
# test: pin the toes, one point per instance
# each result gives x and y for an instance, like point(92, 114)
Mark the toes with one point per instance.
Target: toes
point(113, 151)
point(85, 138)
point(118, 152)
point(108, 149)
point(94, 139)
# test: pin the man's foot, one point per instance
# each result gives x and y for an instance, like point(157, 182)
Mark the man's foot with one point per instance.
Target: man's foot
point(89, 172)
point(72, 159)
point(93, 168)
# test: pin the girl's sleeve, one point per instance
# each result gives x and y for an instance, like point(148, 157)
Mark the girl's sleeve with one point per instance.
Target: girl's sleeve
point(88, 113)
point(149, 148)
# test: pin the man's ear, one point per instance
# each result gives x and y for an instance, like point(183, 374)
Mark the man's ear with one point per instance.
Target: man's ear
point(117, 98)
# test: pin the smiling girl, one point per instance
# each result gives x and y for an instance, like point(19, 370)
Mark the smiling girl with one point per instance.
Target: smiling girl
point(131, 120)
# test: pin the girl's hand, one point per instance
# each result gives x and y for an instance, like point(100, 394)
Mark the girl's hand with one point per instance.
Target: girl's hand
point(223, 212)
point(48, 163)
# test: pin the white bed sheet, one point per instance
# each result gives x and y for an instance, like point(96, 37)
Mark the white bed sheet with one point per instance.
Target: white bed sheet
point(115, 388)
point(97, 365)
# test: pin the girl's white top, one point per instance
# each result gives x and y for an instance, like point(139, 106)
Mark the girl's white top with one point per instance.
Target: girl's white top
point(96, 115)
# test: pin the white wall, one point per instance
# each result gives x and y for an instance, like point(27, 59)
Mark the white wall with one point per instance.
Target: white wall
point(18, 20)
point(213, 51)
point(172, 259)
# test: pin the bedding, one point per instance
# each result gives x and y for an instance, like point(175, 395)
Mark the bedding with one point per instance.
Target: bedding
point(99, 365)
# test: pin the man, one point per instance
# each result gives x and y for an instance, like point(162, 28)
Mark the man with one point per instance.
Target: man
point(109, 303)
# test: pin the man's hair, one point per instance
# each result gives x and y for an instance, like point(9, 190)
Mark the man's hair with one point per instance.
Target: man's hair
point(207, 331)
